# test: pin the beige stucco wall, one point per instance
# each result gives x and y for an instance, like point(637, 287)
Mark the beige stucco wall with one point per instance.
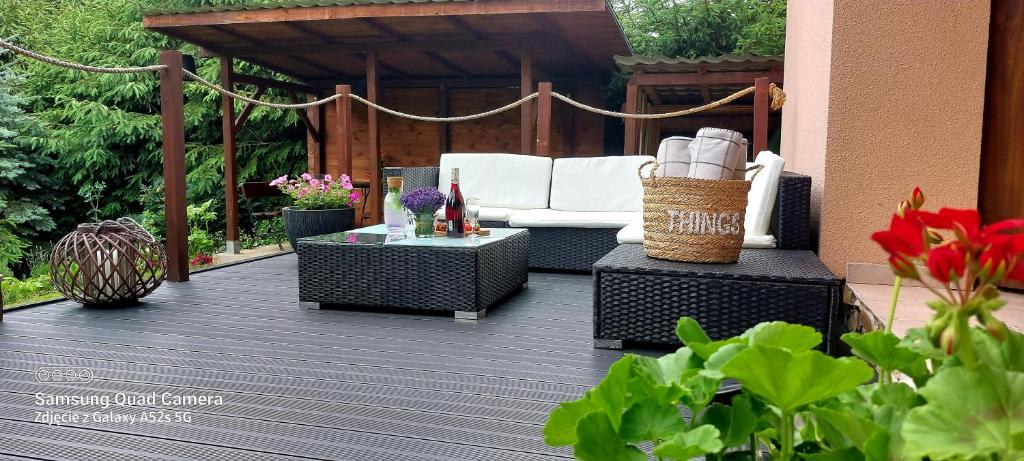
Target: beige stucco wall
point(883, 95)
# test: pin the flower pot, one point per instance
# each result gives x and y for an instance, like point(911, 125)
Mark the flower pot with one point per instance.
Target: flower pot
point(307, 223)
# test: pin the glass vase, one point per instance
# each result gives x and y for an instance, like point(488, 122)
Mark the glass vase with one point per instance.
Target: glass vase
point(424, 224)
point(394, 212)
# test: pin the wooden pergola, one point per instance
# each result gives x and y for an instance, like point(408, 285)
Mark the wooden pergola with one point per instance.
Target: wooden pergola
point(435, 57)
point(658, 85)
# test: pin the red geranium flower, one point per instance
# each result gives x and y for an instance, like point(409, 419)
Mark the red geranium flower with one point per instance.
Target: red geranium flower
point(906, 237)
point(947, 262)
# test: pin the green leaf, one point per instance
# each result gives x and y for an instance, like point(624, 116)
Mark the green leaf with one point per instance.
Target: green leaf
point(880, 348)
point(854, 430)
point(1000, 355)
point(845, 454)
point(794, 338)
point(560, 428)
point(608, 397)
point(968, 415)
point(789, 380)
point(610, 394)
point(686, 445)
point(598, 441)
point(699, 390)
point(735, 423)
point(690, 332)
point(916, 340)
point(651, 421)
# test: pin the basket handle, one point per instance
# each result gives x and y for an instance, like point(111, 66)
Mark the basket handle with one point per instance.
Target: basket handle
point(640, 170)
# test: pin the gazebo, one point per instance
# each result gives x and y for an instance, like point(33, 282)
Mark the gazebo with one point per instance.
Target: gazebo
point(436, 58)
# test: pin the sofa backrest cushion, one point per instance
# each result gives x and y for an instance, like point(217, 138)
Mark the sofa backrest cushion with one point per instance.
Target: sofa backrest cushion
point(499, 180)
point(763, 189)
point(597, 183)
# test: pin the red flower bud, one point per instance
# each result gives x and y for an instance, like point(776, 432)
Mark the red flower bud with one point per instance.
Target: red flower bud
point(916, 199)
point(992, 263)
point(997, 329)
point(947, 341)
point(903, 267)
point(946, 262)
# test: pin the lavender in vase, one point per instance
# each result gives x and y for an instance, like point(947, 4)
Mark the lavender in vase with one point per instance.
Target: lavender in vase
point(423, 203)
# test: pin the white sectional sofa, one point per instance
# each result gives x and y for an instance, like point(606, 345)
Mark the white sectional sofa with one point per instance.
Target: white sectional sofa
point(573, 207)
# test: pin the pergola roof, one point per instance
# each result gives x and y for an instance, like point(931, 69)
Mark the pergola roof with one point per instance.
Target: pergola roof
point(723, 63)
point(325, 42)
point(682, 81)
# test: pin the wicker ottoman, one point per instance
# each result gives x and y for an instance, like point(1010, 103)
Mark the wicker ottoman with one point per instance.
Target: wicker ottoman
point(464, 276)
point(640, 299)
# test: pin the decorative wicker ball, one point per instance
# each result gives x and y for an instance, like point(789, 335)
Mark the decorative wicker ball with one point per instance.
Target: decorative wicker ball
point(112, 262)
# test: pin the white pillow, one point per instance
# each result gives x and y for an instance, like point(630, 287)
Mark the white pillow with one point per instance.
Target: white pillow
point(499, 180)
point(598, 183)
point(763, 189)
point(717, 153)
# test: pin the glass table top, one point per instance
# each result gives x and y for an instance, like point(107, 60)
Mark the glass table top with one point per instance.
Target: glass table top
point(378, 235)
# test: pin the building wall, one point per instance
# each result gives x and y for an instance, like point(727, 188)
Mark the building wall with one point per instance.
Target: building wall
point(883, 95)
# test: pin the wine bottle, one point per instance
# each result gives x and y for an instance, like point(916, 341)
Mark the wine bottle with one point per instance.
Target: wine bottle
point(454, 208)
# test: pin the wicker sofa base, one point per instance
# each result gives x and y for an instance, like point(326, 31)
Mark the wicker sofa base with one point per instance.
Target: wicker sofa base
point(640, 299)
point(463, 280)
point(567, 249)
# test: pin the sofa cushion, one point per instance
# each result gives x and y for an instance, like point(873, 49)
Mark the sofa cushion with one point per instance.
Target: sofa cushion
point(579, 219)
point(634, 233)
point(499, 180)
point(763, 189)
point(597, 184)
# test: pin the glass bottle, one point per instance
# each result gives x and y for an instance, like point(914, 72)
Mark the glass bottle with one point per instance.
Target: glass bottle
point(454, 209)
point(394, 212)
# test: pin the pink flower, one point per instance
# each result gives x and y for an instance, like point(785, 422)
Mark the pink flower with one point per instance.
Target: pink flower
point(345, 178)
point(328, 178)
point(307, 176)
point(354, 196)
point(279, 181)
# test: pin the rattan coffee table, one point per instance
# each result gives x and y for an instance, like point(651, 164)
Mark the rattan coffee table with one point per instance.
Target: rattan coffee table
point(367, 268)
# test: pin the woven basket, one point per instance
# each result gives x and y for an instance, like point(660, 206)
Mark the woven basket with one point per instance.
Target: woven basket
point(693, 220)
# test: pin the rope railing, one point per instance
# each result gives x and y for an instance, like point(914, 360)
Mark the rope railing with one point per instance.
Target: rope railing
point(74, 65)
point(461, 118)
point(778, 97)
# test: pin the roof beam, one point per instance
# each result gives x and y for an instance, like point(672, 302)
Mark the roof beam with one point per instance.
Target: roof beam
point(548, 24)
point(535, 43)
point(245, 79)
point(257, 43)
point(397, 36)
point(471, 32)
point(325, 13)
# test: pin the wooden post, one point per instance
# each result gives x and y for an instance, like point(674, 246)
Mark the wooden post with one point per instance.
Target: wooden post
point(544, 119)
point(172, 116)
point(343, 118)
point(442, 128)
point(631, 140)
point(526, 140)
point(373, 139)
point(314, 147)
point(227, 104)
point(761, 106)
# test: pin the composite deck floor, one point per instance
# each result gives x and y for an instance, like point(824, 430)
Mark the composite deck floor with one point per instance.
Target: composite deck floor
point(296, 383)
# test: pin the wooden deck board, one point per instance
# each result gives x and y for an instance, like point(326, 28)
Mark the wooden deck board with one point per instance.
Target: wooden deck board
point(321, 384)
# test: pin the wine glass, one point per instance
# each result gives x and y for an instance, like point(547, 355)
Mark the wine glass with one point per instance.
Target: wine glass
point(473, 213)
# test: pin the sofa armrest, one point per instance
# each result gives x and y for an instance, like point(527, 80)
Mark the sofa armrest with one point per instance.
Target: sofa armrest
point(791, 216)
point(413, 177)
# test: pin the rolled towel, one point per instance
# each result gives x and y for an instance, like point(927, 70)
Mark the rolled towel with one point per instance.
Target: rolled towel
point(674, 156)
point(717, 153)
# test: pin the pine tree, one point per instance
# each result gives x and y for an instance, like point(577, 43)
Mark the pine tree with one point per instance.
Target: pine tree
point(25, 186)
